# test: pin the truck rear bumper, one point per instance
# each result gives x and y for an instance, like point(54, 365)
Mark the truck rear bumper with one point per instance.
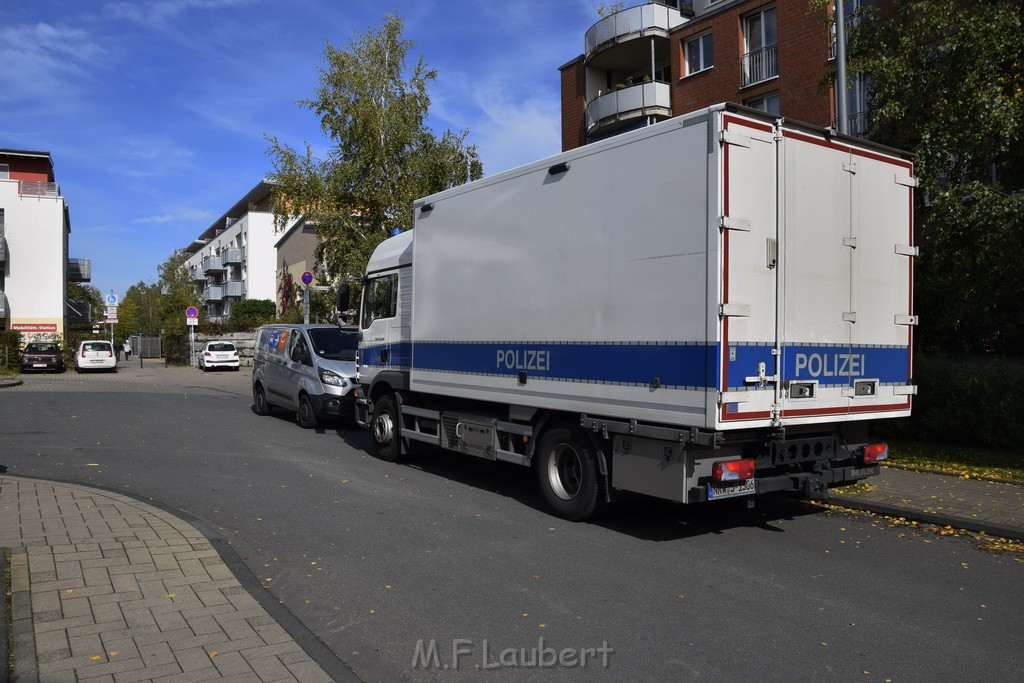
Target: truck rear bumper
point(813, 485)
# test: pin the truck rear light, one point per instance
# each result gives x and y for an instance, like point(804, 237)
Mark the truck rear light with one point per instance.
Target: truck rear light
point(873, 452)
point(733, 470)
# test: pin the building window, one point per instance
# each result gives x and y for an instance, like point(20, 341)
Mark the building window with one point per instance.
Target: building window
point(768, 103)
point(761, 59)
point(5, 171)
point(698, 54)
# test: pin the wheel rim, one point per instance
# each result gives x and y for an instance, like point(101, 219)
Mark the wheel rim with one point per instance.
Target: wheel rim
point(383, 429)
point(260, 400)
point(304, 410)
point(565, 471)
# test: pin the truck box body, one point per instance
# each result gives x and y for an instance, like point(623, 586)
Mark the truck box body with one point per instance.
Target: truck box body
point(721, 271)
point(613, 287)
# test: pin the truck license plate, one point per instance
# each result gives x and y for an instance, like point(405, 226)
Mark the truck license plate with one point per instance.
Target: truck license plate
point(744, 488)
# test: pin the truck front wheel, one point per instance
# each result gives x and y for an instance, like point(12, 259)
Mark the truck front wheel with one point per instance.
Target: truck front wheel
point(567, 473)
point(384, 427)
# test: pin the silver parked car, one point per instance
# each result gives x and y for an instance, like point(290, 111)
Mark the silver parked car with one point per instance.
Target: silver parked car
point(310, 369)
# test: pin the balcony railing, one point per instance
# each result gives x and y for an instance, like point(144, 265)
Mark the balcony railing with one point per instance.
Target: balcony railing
point(760, 65)
point(647, 99)
point(231, 256)
point(212, 264)
point(234, 288)
point(38, 188)
point(631, 23)
point(80, 270)
point(215, 293)
point(198, 275)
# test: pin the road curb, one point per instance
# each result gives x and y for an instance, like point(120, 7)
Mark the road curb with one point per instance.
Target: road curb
point(9, 382)
point(965, 523)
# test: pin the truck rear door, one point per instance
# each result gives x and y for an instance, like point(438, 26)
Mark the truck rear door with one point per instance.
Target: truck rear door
point(748, 287)
point(845, 265)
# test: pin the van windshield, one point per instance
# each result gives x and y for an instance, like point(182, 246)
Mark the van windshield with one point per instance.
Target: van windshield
point(334, 343)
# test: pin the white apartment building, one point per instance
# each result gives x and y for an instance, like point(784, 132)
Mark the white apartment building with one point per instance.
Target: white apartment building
point(236, 257)
point(34, 229)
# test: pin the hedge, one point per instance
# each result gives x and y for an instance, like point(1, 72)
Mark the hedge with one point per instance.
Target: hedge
point(964, 399)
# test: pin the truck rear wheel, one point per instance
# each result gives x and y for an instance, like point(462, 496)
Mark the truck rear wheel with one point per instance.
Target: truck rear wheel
point(568, 474)
point(385, 429)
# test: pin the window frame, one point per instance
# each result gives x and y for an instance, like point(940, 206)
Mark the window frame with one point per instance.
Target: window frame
point(707, 61)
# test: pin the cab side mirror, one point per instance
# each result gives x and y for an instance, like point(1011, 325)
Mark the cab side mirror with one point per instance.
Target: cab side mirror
point(343, 297)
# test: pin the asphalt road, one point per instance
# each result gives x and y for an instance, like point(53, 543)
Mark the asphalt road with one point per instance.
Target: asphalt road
point(376, 558)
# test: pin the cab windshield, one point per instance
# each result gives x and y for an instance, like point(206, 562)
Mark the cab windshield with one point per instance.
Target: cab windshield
point(334, 343)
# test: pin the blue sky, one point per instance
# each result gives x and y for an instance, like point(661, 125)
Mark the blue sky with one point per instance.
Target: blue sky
point(155, 111)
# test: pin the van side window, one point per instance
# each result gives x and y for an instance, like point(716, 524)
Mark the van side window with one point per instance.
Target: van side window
point(380, 298)
point(300, 349)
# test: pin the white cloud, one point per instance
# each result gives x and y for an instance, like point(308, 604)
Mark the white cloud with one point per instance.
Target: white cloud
point(45, 61)
point(161, 11)
point(513, 131)
point(177, 216)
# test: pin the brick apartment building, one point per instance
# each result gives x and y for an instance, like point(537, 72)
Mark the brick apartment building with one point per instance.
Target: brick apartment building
point(663, 58)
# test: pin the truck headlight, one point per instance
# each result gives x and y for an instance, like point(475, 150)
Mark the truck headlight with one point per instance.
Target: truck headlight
point(333, 378)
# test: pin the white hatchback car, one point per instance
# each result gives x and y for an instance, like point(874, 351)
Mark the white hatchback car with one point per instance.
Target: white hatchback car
point(218, 354)
point(95, 354)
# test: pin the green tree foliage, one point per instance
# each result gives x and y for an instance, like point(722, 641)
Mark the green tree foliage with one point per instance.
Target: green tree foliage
point(373, 109)
point(178, 292)
point(140, 310)
point(947, 82)
point(87, 296)
point(249, 314)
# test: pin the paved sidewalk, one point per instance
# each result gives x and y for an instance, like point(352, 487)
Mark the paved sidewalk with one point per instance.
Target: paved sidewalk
point(990, 507)
point(105, 588)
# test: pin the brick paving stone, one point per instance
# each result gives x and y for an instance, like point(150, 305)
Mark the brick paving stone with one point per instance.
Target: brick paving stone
point(105, 588)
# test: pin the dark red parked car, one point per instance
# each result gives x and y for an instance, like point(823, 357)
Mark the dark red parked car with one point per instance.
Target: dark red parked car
point(42, 356)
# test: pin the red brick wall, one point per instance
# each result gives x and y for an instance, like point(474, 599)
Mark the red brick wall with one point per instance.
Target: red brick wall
point(574, 105)
point(803, 84)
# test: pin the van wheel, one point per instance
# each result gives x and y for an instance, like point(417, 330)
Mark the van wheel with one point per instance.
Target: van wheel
point(306, 414)
point(384, 426)
point(260, 404)
point(568, 474)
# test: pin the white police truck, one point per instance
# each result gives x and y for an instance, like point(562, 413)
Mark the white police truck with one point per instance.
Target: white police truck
point(708, 308)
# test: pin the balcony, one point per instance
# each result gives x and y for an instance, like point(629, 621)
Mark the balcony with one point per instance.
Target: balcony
point(79, 270)
point(651, 19)
point(234, 288)
point(760, 65)
point(215, 293)
point(198, 275)
point(212, 264)
point(38, 188)
point(229, 256)
point(620, 107)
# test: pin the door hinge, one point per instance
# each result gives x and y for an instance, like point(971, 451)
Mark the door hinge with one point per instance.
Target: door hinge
point(850, 317)
point(905, 320)
point(850, 167)
point(907, 250)
point(733, 223)
point(906, 180)
point(734, 310)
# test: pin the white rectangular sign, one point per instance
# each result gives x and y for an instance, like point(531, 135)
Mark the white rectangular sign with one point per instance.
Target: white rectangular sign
point(192, 322)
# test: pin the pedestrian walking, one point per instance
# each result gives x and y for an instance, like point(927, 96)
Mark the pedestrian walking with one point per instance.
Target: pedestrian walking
point(127, 349)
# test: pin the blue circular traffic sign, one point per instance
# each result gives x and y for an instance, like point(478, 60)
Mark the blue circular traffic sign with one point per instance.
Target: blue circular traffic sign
point(112, 299)
point(191, 312)
point(307, 277)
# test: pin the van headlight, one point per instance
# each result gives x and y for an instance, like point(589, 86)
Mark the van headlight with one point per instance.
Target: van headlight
point(332, 378)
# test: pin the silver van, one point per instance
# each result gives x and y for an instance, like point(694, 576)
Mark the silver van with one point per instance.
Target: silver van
point(310, 369)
